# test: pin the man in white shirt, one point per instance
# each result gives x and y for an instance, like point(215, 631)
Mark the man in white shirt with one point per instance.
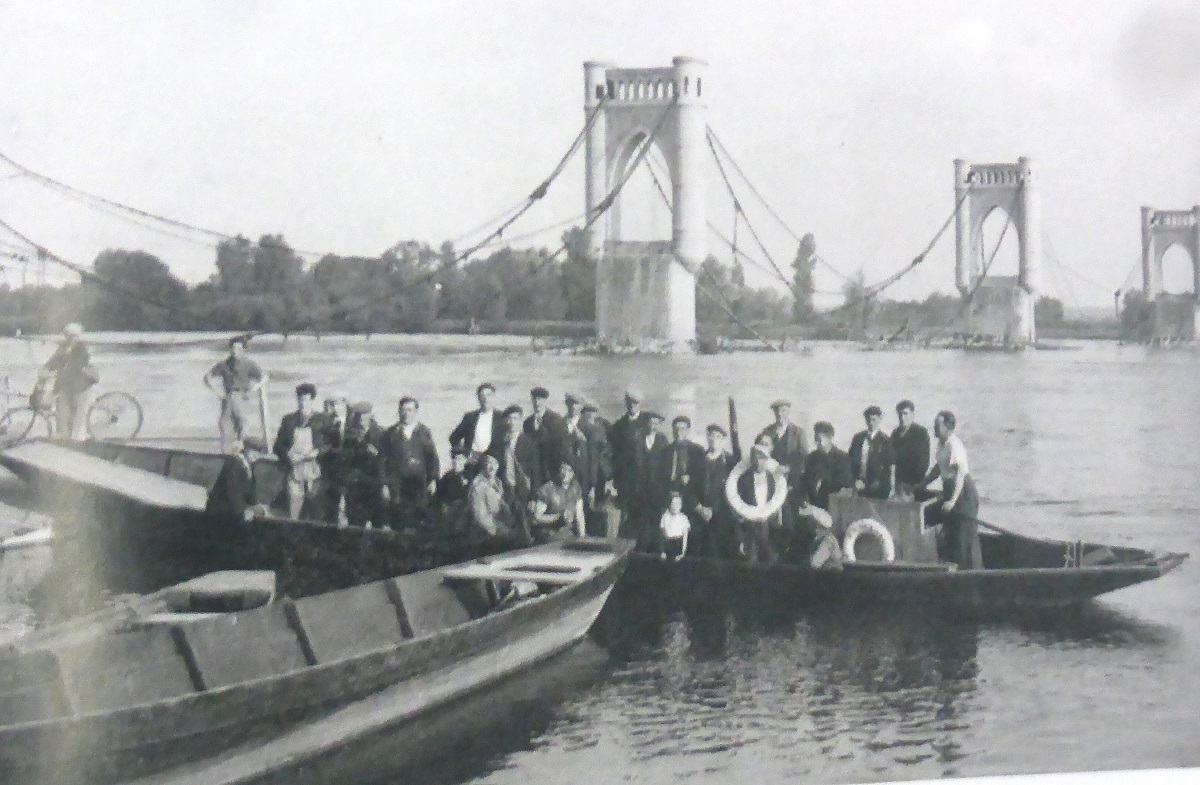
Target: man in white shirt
point(478, 430)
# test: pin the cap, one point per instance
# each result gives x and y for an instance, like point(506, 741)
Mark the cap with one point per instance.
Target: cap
point(714, 428)
point(683, 418)
point(361, 407)
point(539, 392)
point(337, 395)
point(573, 399)
point(649, 416)
point(514, 409)
point(780, 403)
point(307, 388)
point(588, 407)
point(872, 410)
point(74, 329)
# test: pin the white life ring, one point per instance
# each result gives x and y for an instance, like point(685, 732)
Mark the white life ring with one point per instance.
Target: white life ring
point(754, 512)
point(873, 528)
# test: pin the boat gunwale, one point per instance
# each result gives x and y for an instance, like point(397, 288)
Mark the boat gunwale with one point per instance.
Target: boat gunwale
point(561, 594)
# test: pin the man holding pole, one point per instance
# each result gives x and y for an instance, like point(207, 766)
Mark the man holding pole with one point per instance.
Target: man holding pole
point(240, 381)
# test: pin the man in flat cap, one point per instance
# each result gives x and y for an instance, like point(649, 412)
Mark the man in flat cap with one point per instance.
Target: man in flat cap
point(479, 428)
point(411, 467)
point(872, 461)
point(548, 434)
point(515, 455)
point(596, 473)
point(235, 380)
point(910, 443)
point(361, 467)
point(623, 438)
point(790, 441)
point(234, 496)
point(684, 467)
point(719, 529)
point(578, 450)
point(648, 484)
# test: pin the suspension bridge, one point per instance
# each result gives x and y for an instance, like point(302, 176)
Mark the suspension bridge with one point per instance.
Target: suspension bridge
point(646, 289)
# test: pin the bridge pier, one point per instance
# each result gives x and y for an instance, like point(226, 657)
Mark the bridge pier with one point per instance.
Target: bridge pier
point(646, 291)
point(1174, 316)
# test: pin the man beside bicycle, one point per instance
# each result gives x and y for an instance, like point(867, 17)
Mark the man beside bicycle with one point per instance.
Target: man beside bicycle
point(74, 376)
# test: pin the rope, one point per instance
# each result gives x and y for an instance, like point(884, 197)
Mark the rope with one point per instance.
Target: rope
point(713, 138)
point(84, 273)
point(715, 297)
point(96, 199)
point(544, 186)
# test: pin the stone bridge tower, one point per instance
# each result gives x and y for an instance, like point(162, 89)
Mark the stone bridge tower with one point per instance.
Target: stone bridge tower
point(646, 291)
point(1175, 315)
point(1003, 306)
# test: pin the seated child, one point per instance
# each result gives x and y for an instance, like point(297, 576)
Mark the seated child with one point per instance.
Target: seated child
point(673, 529)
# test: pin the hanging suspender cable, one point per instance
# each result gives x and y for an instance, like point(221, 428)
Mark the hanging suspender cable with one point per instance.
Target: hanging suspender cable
point(544, 186)
point(714, 296)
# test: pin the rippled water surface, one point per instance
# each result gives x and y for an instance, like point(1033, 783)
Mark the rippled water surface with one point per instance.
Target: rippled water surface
point(1096, 442)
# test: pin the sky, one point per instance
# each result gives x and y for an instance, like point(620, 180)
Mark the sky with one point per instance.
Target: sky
point(349, 126)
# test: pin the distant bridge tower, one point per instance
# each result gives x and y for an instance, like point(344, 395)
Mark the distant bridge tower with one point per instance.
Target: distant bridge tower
point(1175, 315)
point(647, 290)
point(1002, 306)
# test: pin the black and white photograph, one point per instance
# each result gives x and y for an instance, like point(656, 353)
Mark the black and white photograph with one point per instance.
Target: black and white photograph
point(597, 391)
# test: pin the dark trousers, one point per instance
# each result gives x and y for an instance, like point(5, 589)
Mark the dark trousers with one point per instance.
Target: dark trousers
point(959, 541)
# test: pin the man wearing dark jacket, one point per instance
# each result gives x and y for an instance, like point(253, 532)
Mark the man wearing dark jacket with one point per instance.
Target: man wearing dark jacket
point(478, 430)
point(871, 459)
point(910, 444)
point(234, 496)
point(410, 467)
point(827, 468)
point(548, 432)
point(299, 443)
point(648, 493)
point(622, 440)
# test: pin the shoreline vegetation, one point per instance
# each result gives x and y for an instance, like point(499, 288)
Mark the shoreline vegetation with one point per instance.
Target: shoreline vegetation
point(266, 287)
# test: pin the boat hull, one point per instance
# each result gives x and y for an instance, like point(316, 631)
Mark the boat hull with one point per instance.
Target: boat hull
point(858, 583)
point(246, 731)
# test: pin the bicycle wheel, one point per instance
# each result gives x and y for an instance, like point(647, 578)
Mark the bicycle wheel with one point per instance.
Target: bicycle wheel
point(22, 424)
point(114, 415)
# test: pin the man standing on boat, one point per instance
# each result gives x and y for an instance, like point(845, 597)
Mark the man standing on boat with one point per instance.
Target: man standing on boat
point(960, 502)
point(910, 444)
point(755, 490)
point(298, 444)
point(790, 442)
point(361, 467)
point(335, 419)
point(239, 378)
point(684, 464)
point(488, 507)
point(514, 453)
point(623, 438)
point(712, 508)
point(871, 459)
point(234, 496)
point(74, 376)
point(650, 474)
point(826, 470)
point(596, 473)
point(548, 434)
point(479, 429)
point(410, 467)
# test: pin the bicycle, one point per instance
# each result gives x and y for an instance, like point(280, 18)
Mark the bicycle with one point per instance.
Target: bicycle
point(112, 415)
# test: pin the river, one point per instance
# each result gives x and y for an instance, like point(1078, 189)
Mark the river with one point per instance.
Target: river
point(1096, 442)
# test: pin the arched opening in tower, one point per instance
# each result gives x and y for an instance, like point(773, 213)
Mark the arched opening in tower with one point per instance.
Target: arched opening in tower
point(643, 205)
point(1006, 258)
point(1178, 274)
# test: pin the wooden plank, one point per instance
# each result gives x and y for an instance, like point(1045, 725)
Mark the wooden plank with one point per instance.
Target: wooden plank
point(487, 572)
point(350, 622)
point(122, 670)
point(145, 487)
point(240, 647)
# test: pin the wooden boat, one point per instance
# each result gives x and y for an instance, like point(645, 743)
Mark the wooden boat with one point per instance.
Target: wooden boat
point(130, 516)
point(215, 681)
point(1018, 572)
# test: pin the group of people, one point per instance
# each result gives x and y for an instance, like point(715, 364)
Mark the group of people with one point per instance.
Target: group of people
point(536, 475)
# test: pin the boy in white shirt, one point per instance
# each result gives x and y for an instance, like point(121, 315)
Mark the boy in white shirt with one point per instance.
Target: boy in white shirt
point(673, 528)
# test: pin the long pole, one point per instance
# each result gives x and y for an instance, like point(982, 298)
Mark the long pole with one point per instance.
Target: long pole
point(734, 440)
point(262, 409)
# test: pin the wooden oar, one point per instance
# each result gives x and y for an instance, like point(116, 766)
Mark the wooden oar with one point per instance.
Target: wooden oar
point(262, 408)
point(734, 440)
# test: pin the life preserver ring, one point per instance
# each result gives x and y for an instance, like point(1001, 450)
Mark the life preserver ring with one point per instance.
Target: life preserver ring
point(754, 512)
point(873, 528)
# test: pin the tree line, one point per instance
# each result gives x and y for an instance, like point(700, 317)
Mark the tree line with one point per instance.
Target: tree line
point(266, 286)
